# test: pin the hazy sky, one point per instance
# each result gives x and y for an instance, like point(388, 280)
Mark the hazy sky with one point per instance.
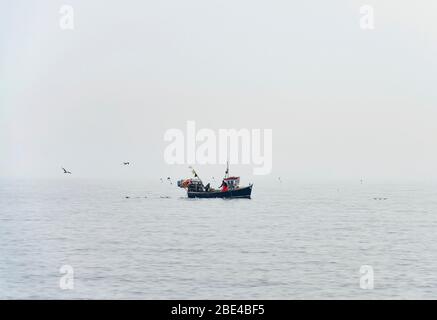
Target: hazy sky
point(343, 103)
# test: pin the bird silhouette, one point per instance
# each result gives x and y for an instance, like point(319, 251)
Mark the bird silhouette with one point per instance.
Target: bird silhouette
point(126, 163)
point(66, 171)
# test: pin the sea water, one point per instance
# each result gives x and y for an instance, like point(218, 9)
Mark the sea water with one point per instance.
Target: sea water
point(146, 240)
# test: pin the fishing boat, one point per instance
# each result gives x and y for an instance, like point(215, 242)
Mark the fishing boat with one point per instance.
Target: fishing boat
point(230, 187)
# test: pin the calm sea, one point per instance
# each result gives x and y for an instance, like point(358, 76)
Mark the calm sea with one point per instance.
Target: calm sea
point(291, 241)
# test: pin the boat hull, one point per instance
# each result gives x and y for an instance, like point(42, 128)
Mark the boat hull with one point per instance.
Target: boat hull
point(241, 193)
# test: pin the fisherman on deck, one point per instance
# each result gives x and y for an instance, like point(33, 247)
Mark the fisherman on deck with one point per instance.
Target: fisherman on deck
point(224, 186)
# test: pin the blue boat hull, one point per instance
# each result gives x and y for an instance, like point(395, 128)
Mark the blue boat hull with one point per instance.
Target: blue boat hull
point(231, 194)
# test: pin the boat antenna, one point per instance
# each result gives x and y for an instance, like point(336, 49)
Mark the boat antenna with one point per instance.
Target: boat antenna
point(194, 172)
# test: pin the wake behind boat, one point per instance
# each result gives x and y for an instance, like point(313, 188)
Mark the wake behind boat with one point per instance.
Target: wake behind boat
point(230, 188)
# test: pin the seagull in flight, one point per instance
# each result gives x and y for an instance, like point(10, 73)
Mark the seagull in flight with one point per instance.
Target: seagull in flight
point(126, 163)
point(66, 171)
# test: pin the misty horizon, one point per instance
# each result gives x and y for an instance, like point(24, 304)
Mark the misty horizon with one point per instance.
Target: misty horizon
point(343, 103)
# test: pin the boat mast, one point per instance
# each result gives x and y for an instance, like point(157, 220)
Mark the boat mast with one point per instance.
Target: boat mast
point(195, 173)
point(227, 169)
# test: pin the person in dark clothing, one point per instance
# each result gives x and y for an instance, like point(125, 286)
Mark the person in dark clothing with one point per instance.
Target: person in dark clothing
point(224, 186)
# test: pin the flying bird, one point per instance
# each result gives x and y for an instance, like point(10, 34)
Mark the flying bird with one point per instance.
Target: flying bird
point(126, 163)
point(66, 171)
